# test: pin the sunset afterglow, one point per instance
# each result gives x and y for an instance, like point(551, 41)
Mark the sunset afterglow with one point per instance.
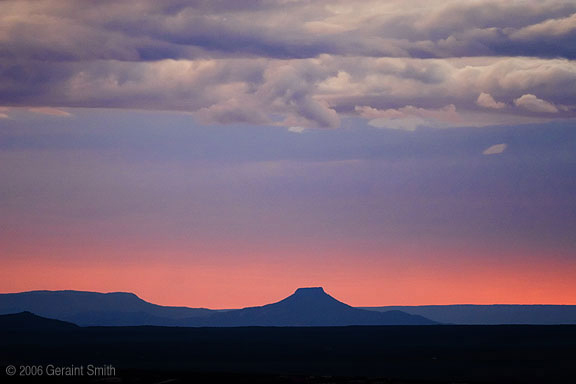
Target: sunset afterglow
point(222, 154)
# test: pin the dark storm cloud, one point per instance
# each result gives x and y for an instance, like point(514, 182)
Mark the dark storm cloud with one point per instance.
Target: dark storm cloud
point(294, 62)
point(122, 30)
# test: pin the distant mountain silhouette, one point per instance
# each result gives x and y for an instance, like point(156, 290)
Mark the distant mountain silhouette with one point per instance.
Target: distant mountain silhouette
point(491, 314)
point(310, 307)
point(92, 308)
point(306, 307)
point(29, 322)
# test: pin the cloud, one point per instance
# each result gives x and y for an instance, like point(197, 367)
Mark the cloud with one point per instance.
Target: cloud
point(49, 111)
point(495, 149)
point(84, 30)
point(531, 103)
point(552, 28)
point(487, 101)
point(299, 92)
point(291, 63)
point(410, 117)
point(4, 113)
point(297, 129)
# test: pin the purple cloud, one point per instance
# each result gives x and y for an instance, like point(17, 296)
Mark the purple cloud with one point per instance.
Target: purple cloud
point(292, 63)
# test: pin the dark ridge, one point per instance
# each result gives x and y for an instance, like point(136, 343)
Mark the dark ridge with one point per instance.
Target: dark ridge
point(29, 321)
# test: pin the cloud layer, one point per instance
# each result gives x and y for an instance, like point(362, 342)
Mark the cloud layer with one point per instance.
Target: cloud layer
point(296, 63)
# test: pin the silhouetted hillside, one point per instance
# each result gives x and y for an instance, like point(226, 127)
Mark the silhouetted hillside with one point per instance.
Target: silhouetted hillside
point(306, 307)
point(30, 322)
point(491, 314)
point(92, 308)
point(310, 307)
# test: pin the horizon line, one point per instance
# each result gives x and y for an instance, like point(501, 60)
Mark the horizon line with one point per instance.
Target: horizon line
point(355, 306)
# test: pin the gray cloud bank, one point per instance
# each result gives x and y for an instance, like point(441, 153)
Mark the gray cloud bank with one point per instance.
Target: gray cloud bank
point(296, 63)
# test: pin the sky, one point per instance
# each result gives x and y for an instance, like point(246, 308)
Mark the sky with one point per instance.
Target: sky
point(223, 153)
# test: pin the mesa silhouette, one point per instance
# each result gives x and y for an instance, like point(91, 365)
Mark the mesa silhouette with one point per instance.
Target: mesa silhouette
point(97, 309)
point(311, 307)
point(127, 309)
point(306, 307)
point(298, 336)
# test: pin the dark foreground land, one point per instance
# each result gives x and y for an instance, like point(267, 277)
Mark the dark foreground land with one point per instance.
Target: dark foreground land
point(384, 354)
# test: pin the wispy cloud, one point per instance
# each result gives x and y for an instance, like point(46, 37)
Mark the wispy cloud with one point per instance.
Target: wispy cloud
point(495, 149)
point(49, 111)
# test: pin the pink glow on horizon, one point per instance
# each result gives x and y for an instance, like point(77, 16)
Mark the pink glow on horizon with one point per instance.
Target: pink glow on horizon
point(370, 283)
